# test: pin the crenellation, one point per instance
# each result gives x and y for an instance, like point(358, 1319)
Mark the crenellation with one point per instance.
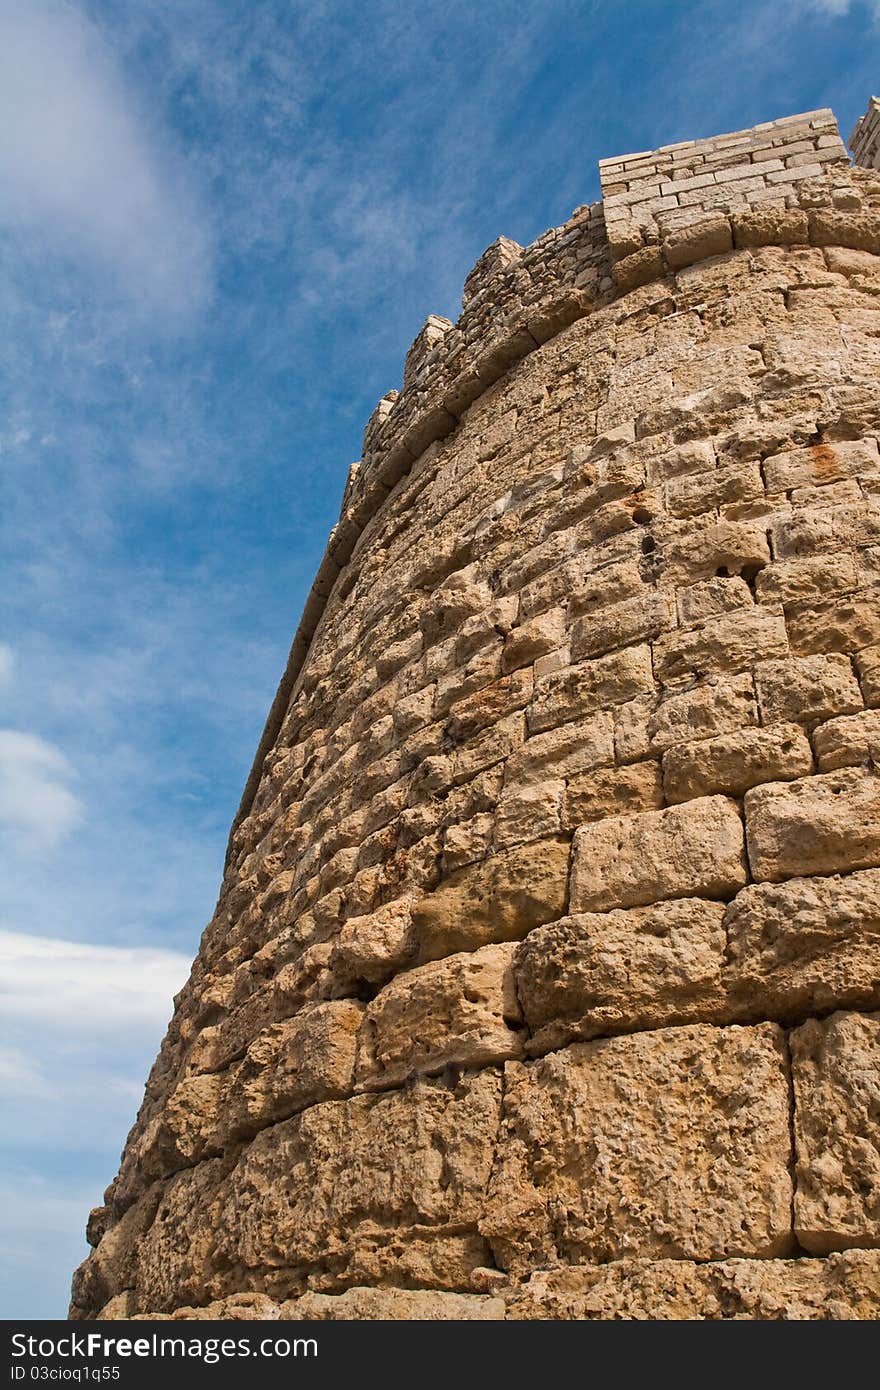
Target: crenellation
point(567, 804)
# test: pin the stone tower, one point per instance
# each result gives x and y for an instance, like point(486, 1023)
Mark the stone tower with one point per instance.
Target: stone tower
point(542, 976)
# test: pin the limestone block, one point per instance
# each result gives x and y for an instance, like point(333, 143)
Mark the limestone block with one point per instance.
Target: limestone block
point(686, 851)
point(393, 1305)
point(845, 1286)
point(609, 585)
point(758, 226)
point(621, 624)
point(849, 740)
point(621, 971)
point(868, 667)
point(708, 708)
point(806, 690)
point(612, 791)
point(671, 1144)
point(845, 625)
point(111, 1268)
point(709, 237)
point(818, 825)
point(238, 1307)
point(692, 551)
point(376, 1189)
point(695, 494)
point(565, 751)
point(807, 945)
point(542, 634)
point(461, 1011)
point(711, 598)
point(836, 1074)
point(582, 689)
point(372, 947)
point(530, 811)
point(729, 643)
point(731, 763)
point(499, 899)
point(821, 463)
point(811, 577)
point(485, 708)
point(306, 1059)
point(180, 1260)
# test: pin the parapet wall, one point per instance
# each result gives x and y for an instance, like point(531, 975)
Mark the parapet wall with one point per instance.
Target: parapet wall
point(865, 139)
point(803, 192)
point(545, 976)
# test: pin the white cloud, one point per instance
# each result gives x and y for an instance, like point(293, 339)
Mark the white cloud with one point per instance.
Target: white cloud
point(77, 987)
point(80, 166)
point(36, 804)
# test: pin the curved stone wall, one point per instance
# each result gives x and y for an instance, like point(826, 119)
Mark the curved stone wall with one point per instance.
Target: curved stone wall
point(542, 976)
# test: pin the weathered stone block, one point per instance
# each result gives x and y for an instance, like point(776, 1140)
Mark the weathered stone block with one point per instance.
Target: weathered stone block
point(819, 825)
point(731, 763)
point(370, 948)
point(530, 811)
point(845, 625)
point(461, 1011)
point(630, 861)
point(634, 620)
point(667, 1144)
point(621, 971)
point(806, 690)
point(844, 1286)
point(534, 638)
point(804, 946)
point(821, 463)
point(849, 740)
point(836, 1074)
point(499, 899)
point(393, 1305)
point(868, 667)
point(564, 751)
point(583, 689)
point(709, 237)
point(612, 791)
point(729, 643)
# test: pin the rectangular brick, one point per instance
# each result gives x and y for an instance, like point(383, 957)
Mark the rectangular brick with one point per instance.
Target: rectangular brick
point(593, 1166)
point(732, 763)
point(694, 850)
point(818, 825)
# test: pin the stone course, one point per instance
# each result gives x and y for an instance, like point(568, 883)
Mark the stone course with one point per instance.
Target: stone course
point(545, 974)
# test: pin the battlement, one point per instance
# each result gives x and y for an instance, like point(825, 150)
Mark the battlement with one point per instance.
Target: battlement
point(787, 182)
point(865, 139)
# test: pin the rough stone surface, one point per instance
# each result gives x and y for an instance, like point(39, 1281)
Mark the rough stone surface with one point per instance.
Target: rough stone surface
point(672, 1144)
point(572, 771)
point(836, 1073)
point(695, 850)
point(452, 1012)
point(845, 1286)
point(805, 946)
point(828, 823)
point(619, 971)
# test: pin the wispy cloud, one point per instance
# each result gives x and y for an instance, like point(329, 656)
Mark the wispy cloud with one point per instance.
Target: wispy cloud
point(37, 807)
point(82, 171)
point(84, 988)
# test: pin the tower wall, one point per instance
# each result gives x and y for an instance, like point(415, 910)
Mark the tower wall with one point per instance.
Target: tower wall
point(544, 979)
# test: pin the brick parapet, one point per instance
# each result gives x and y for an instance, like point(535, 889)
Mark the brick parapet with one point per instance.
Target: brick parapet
point(865, 139)
point(516, 299)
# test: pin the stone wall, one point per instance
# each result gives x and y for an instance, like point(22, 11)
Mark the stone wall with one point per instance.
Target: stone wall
point(545, 976)
point(865, 139)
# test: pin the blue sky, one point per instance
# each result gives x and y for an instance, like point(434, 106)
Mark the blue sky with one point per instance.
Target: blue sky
point(221, 224)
